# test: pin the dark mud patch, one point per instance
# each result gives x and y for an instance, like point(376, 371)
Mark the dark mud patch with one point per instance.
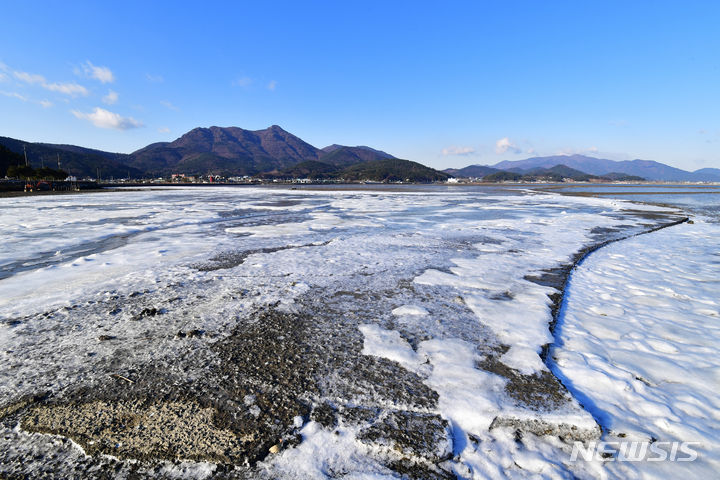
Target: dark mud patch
point(565, 431)
point(261, 378)
point(279, 203)
point(655, 216)
point(503, 296)
point(242, 213)
point(170, 430)
point(246, 396)
point(540, 391)
point(421, 441)
point(411, 435)
point(418, 470)
point(227, 260)
point(148, 312)
point(9, 410)
point(605, 230)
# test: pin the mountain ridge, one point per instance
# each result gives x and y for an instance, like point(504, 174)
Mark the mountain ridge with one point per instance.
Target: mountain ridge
point(648, 169)
point(75, 160)
point(234, 151)
point(226, 151)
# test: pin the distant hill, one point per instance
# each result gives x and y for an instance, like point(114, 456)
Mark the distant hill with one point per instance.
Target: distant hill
point(378, 153)
point(622, 177)
point(712, 174)
point(342, 156)
point(557, 173)
point(9, 158)
point(229, 151)
point(236, 151)
point(393, 170)
point(648, 169)
point(312, 169)
point(383, 170)
point(78, 161)
point(472, 171)
point(120, 157)
point(503, 176)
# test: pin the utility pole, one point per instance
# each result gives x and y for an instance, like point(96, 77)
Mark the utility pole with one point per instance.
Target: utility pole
point(26, 160)
point(58, 161)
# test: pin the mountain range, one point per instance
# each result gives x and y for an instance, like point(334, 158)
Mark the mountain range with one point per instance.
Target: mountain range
point(276, 153)
point(80, 161)
point(231, 151)
point(558, 173)
point(647, 169)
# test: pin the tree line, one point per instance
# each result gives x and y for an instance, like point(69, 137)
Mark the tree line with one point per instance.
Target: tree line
point(13, 165)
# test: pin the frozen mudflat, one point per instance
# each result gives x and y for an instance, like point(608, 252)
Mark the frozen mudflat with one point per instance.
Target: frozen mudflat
point(639, 346)
point(360, 333)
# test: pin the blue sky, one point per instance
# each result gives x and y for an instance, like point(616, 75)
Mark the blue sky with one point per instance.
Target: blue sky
point(444, 83)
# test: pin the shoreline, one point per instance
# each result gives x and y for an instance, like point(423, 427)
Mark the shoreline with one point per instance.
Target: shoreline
point(559, 306)
point(633, 327)
point(559, 188)
point(64, 192)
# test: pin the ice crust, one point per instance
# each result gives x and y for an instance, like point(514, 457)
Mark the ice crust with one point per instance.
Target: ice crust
point(69, 261)
point(640, 336)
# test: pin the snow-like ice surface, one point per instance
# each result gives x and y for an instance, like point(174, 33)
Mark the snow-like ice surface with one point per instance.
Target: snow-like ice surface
point(640, 337)
point(66, 261)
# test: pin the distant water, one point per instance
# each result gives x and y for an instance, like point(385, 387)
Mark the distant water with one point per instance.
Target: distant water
point(696, 199)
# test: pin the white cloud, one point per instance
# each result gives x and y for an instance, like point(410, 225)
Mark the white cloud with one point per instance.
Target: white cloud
point(163, 130)
point(457, 151)
point(505, 145)
point(169, 105)
point(43, 103)
point(103, 74)
point(105, 119)
point(272, 85)
point(3, 77)
point(242, 82)
point(31, 78)
point(71, 89)
point(14, 95)
point(152, 78)
point(110, 98)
